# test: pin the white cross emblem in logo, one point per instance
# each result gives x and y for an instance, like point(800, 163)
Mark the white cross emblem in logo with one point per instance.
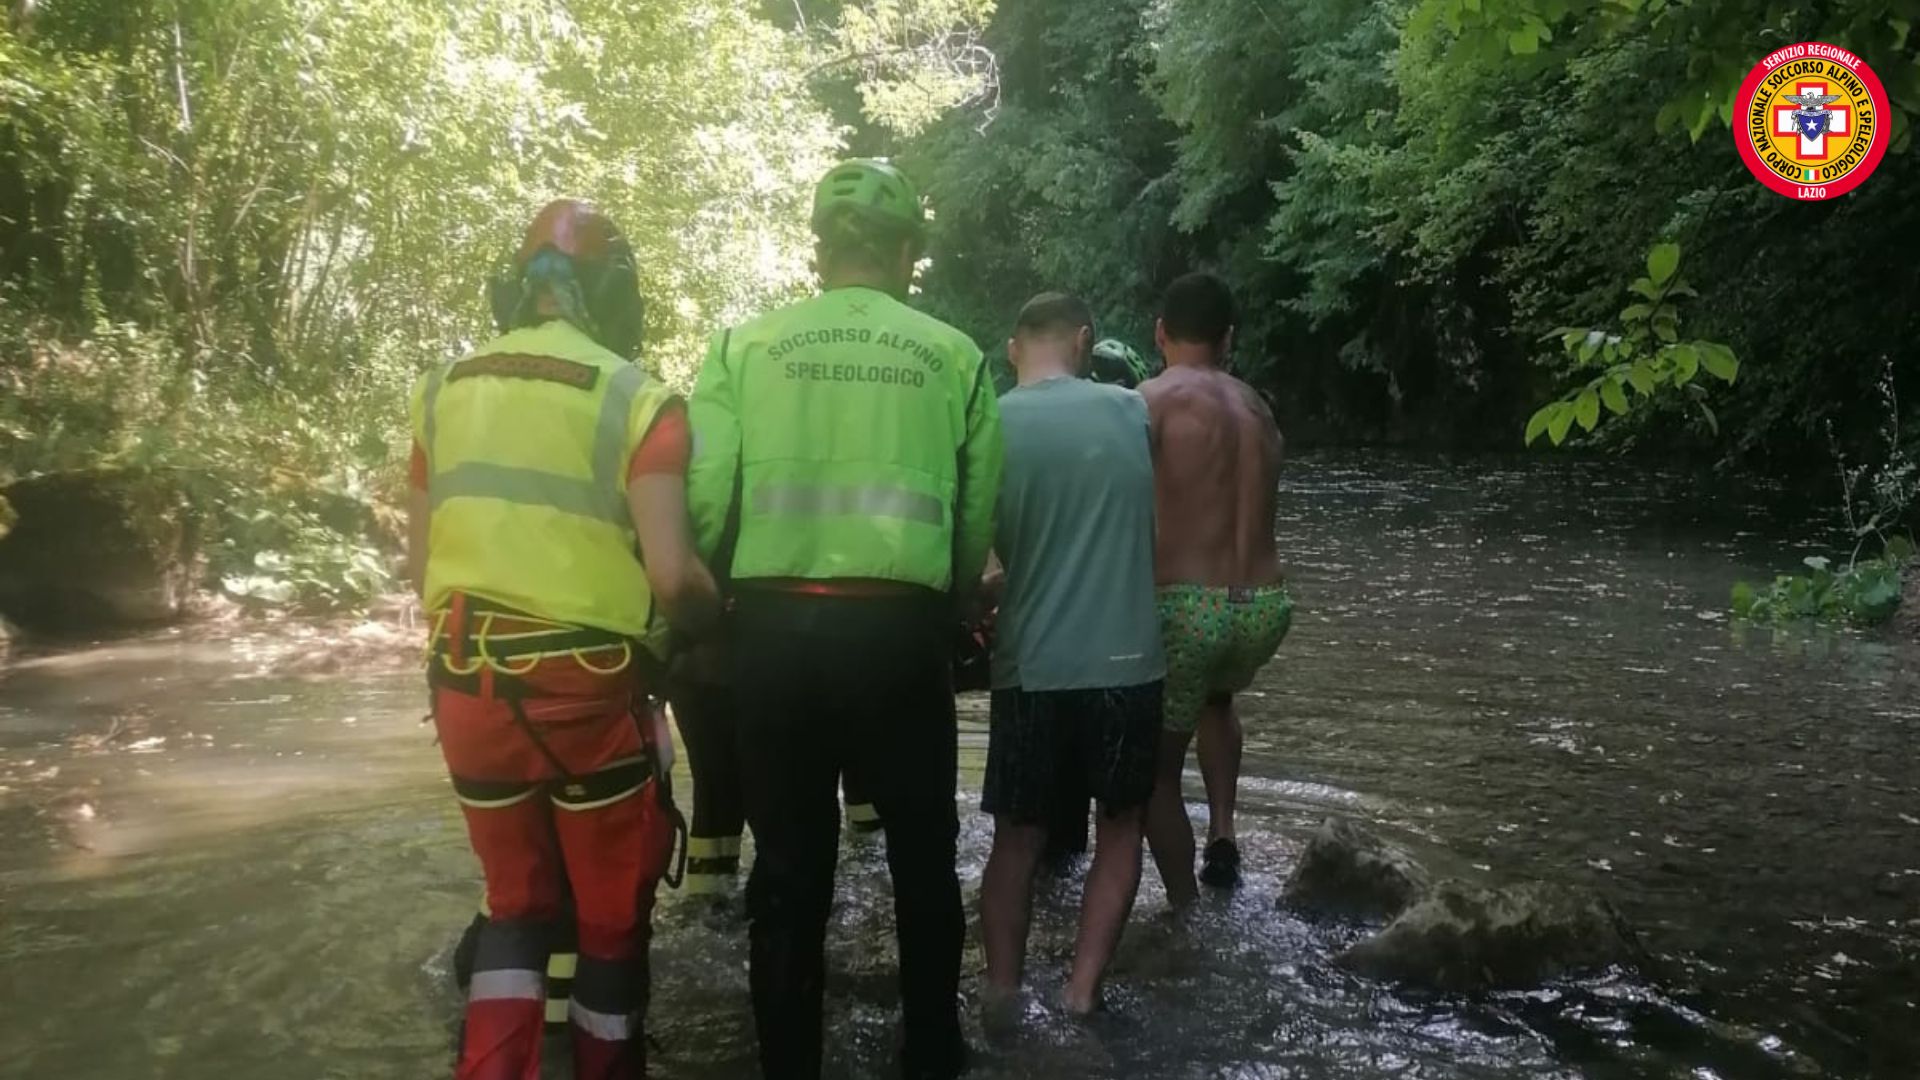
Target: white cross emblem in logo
point(1787, 121)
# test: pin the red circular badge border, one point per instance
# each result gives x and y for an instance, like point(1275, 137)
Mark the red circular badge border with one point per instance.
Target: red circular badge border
point(1780, 184)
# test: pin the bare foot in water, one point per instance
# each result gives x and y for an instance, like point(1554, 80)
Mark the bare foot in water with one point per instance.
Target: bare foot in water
point(1001, 1011)
point(1079, 1005)
point(994, 997)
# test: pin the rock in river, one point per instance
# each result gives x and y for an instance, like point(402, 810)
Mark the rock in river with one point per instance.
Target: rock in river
point(95, 549)
point(1462, 938)
point(1348, 872)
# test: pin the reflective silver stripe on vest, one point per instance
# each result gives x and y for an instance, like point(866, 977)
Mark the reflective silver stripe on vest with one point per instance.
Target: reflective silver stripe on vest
point(610, 433)
point(603, 498)
point(796, 500)
point(513, 984)
point(607, 1027)
point(529, 487)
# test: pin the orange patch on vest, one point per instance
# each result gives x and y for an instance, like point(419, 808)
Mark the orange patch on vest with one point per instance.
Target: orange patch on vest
point(526, 366)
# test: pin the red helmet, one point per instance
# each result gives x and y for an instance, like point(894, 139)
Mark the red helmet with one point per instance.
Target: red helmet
point(575, 229)
point(588, 277)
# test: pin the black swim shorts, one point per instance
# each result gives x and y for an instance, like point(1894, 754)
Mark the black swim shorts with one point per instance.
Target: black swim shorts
point(1048, 745)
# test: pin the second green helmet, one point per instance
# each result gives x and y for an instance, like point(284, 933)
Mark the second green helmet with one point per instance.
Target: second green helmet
point(1116, 362)
point(871, 190)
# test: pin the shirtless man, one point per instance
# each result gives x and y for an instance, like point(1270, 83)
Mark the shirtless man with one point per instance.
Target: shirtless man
point(1224, 606)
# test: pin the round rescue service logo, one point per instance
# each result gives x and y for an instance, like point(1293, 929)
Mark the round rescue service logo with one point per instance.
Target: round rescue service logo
point(1811, 121)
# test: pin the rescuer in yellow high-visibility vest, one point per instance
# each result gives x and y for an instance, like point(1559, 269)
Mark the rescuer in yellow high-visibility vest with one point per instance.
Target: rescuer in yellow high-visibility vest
point(847, 460)
point(551, 544)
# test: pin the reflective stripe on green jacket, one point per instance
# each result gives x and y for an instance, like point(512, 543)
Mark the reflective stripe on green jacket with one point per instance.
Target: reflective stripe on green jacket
point(857, 438)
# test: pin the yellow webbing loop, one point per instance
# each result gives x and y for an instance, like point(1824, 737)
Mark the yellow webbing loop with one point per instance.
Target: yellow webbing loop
point(433, 638)
point(480, 646)
point(447, 662)
point(626, 660)
point(484, 657)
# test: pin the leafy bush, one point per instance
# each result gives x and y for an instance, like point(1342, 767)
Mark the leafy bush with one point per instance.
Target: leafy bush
point(292, 543)
point(308, 566)
point(288, 488)
point(1865, 593)
point(76, 402)
point(1876, 495)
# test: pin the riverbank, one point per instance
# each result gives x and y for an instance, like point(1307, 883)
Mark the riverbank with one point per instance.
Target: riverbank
point(388, 636)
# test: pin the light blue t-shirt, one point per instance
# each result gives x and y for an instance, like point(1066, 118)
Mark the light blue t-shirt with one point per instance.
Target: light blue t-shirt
point(1075, 534)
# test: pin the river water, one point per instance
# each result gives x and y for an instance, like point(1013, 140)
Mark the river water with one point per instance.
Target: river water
point(1520, 670)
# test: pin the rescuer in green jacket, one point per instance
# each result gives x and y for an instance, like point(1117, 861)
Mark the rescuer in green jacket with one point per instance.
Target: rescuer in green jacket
point(846, 464)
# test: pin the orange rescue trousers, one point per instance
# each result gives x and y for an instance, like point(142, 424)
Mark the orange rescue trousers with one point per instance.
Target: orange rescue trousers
point(557, 784)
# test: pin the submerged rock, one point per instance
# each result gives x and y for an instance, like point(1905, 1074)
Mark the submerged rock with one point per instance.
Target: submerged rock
point(97, 549)
point(1462, 938)
point(1348, 872)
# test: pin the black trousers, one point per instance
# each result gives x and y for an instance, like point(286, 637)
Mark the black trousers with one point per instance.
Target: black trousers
point(827, 684)
point(707, 729)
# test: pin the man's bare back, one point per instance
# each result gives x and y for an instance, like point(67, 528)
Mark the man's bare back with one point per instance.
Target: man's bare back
point(1216, 463)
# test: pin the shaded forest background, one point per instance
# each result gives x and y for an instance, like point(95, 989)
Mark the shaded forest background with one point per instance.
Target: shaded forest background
point(233, 231)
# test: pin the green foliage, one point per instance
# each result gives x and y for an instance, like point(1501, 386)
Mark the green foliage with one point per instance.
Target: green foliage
point(1054, 192)
point(1876, 494)
point(1646, 356)
point(277, 554)
point(1407, 194)
point(282, 485)
point(1719, 41)
point(1866, 592)
point(915, 59)
point(232, 232)
point(289, 187)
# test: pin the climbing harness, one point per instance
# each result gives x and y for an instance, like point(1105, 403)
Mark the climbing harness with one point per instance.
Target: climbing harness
point(495, 660)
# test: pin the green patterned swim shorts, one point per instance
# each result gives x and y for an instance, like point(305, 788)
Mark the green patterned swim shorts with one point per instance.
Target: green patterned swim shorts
point(1217, 639)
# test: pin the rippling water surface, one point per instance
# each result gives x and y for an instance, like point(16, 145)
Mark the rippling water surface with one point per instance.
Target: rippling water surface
point(1518, 670)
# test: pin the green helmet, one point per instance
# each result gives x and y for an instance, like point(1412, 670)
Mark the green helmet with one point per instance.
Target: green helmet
point(1114, 361)
point(874, 192)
